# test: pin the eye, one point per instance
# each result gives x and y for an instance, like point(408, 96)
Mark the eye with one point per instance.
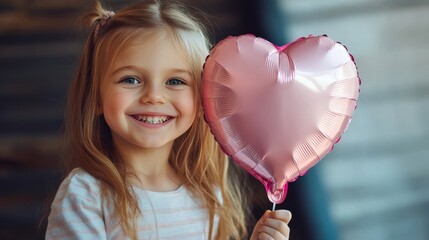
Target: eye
point(130, 80)
point(175, 81)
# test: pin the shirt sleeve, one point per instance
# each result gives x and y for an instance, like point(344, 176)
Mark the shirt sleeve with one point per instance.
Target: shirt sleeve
point(76, 212)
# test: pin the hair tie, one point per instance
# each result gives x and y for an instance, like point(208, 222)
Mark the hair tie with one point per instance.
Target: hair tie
point(102, 22)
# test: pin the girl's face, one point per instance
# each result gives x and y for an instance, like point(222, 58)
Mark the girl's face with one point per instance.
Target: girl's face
point(147, 97)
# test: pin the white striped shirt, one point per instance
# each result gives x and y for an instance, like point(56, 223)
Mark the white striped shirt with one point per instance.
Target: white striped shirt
point(78, 212)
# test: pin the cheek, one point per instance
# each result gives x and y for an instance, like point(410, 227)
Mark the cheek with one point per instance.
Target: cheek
point(191, 107)
point(113, 104)
point(186, 106)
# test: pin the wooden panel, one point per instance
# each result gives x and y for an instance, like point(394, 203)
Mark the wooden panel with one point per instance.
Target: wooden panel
point(377, 174)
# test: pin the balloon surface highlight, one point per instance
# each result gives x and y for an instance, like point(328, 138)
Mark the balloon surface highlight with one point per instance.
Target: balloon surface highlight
point(278, 110)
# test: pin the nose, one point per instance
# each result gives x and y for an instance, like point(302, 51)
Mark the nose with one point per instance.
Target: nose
point(153, 94)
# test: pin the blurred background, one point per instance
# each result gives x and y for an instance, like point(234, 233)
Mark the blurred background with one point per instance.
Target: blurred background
point(374, 185)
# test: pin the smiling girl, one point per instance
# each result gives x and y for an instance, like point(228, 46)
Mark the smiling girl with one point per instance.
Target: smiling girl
point(142, 162)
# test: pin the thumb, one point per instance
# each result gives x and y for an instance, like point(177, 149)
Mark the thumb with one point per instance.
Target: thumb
point(264, 216)
point(258, 225)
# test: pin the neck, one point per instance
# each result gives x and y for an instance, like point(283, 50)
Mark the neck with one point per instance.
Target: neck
point(150, 162)
point(150, 169)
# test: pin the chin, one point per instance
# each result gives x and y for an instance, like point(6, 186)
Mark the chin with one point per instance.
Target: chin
point(155, 144)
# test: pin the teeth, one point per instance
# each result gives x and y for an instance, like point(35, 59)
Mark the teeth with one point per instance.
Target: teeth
point(152, 119)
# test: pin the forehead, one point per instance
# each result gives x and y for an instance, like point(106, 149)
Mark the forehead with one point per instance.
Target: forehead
point(159, 48)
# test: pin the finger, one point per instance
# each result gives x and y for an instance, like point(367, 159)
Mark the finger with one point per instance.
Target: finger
point(264, 216)
point(281, 214)
point(267, 232)
point(277, 225)
point(266, 213)
point(265, 236)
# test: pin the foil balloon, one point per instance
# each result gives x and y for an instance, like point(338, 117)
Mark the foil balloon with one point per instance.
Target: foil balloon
point(277, 111)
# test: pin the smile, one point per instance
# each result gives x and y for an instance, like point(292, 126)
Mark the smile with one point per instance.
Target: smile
point(152, 119)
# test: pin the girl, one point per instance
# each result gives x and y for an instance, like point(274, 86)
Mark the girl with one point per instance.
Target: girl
point(145, 165)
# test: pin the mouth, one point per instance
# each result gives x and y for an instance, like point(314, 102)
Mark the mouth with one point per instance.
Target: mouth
point(152, 119)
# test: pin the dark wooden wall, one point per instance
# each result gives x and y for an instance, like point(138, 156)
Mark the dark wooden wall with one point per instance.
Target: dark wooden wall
point(377, 176)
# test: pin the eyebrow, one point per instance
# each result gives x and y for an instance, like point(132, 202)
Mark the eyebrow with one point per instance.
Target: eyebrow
point(139, 69)
point(179, 70)
point(134, 68)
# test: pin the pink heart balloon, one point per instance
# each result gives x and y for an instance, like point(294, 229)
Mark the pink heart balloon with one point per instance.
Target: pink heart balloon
point(278, 110)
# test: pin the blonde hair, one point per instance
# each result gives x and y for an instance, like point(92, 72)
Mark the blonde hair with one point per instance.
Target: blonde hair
point(196, 157)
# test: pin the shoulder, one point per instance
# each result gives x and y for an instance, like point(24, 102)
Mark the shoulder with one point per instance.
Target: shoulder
point(79, 185)
point(79, 177)
point(76, 212)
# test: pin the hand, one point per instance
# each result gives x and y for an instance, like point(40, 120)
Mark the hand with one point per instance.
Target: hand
point(272, 226)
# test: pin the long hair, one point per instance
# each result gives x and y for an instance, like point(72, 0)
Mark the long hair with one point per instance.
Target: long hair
point(197, 158)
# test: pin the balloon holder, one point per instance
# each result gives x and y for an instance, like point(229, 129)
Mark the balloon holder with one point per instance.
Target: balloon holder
point(274, 207)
